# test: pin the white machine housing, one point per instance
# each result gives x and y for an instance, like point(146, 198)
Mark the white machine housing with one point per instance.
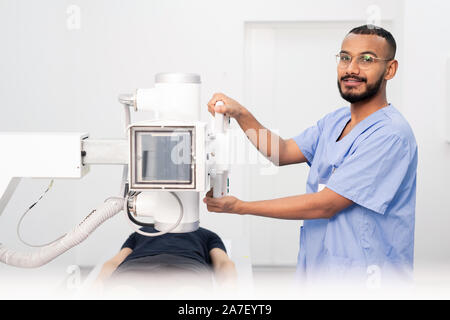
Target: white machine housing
point(38, 155)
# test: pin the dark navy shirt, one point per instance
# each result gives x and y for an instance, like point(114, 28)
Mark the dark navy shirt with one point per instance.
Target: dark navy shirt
point(195, 245)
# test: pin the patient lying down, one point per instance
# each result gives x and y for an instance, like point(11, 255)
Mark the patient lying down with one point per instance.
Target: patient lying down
point(172, 260)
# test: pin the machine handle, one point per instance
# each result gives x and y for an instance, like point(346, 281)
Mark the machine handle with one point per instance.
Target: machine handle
point(220, 178)
point(220, 185)
point(221, 120)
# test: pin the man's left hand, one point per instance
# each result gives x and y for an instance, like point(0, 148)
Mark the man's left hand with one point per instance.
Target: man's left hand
point(228, 204)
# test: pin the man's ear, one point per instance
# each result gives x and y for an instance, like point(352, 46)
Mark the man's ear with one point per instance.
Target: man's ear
point(391, 70)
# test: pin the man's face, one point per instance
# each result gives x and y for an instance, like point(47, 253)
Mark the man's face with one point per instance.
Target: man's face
point(357, 82)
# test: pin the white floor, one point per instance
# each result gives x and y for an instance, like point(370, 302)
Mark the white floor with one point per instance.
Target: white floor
point(432, 281)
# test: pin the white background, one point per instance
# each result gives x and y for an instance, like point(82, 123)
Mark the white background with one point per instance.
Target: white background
point(54, 77)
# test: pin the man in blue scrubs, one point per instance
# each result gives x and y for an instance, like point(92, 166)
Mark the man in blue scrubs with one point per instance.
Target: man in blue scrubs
point(359, 207)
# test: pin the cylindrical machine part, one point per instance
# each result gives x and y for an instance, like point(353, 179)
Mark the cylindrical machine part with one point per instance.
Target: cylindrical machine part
point(165, 209)
point(190, 221)
point(177, 77)
point(175, 96)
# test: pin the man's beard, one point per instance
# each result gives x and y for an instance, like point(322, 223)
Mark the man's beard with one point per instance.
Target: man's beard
point(369, 93)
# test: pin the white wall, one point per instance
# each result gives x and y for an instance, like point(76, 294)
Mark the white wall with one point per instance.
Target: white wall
point(426, 48)
point(56, 79)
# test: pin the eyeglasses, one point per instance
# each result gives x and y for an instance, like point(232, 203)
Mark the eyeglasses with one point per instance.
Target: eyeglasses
point(364, 61)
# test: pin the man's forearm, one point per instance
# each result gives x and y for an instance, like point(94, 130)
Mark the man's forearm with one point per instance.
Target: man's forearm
point(107, 270)
point(226, 274)
point(302, 207)
point(320, 205)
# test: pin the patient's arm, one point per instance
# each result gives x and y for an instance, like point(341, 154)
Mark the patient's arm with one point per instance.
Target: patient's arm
point(224, 268)
point(111, 265)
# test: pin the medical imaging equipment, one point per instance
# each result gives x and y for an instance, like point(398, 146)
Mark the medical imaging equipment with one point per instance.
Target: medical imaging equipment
point(168, 161)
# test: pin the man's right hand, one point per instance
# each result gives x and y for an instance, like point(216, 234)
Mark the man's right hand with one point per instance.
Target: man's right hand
point(230, 107)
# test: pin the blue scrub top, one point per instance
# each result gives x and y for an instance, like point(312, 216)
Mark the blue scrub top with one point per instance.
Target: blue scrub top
point(375, 166)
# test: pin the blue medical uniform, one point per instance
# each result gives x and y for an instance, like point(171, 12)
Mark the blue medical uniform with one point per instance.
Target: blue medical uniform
point(375, 166)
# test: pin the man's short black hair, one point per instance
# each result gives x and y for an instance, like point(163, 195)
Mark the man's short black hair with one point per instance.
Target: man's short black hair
point(374, 30)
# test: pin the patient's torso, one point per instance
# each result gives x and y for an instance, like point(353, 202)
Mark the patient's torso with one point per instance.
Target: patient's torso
point(192, 245)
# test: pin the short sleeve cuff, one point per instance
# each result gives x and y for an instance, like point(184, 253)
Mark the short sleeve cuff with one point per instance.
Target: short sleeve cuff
point(303, 149)
point(366, 204)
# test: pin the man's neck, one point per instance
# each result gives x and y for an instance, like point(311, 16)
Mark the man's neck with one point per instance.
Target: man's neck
point(363, 109)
